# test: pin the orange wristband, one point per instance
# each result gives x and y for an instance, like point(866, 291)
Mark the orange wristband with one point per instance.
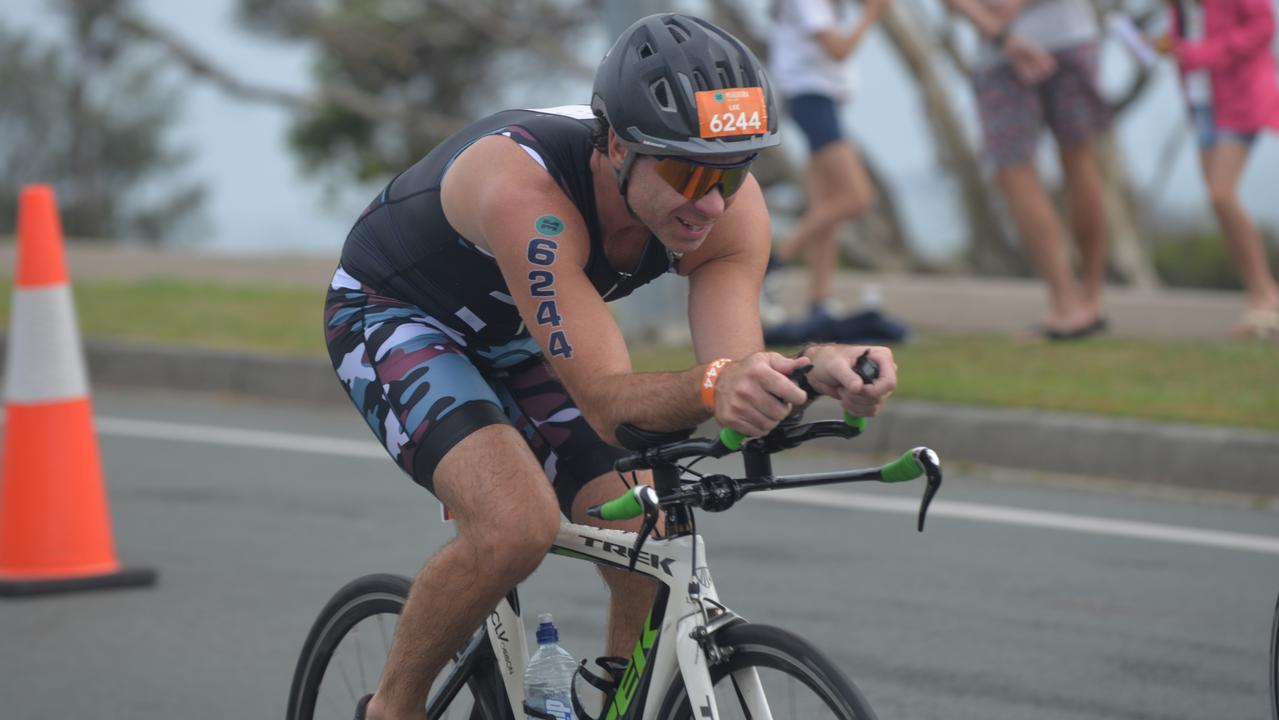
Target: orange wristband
point(710, 379)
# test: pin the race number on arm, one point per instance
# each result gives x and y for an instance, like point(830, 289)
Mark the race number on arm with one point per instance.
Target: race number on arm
point(498, 197)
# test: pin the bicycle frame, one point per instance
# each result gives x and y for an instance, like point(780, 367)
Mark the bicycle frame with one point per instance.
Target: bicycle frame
point(677, 613)
point(686, 609)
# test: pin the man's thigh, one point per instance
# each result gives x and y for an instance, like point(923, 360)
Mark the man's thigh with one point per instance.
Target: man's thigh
point(409, 378)
point(571, 453)
point(491, 478)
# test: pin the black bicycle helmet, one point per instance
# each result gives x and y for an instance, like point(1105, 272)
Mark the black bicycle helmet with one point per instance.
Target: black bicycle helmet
point(668, 86)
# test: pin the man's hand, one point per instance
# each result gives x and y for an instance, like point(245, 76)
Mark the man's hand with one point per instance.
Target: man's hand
point(1163, 44)
point(1031, 63)
point(755, 393)
point(833, 375)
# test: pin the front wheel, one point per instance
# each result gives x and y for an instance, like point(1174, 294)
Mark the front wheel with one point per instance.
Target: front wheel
point(346, 650)
point(771, 673)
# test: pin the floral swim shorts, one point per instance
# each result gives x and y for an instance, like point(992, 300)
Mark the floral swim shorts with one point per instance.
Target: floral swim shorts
point(1068, 102)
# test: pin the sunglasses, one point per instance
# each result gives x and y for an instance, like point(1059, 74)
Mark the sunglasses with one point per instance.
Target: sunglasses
point(694, 179)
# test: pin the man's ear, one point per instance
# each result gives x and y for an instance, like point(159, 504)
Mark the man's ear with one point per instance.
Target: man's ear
point(616, 150)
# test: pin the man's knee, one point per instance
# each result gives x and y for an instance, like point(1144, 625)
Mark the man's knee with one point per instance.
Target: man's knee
point(503, 502)
point(513, 543)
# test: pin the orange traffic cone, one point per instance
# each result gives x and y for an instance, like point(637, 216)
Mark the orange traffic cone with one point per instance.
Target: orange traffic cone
point(55, 529)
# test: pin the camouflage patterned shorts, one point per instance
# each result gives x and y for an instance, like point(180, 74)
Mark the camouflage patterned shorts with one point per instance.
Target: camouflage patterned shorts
point(422, 387)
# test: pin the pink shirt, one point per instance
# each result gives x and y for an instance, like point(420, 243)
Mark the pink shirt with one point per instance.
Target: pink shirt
point(1235, 51)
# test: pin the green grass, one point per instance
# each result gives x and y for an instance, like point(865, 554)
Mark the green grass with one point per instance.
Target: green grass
point(1221, 383)
point(203, 314)
point(1224, 383)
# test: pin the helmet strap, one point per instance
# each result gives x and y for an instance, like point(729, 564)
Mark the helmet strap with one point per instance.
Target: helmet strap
point(624, 180)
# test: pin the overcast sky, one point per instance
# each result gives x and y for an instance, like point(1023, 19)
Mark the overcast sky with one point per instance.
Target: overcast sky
point(259, 199)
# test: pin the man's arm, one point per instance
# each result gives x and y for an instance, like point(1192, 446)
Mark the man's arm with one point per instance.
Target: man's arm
point(725, 276)
point(494, 194)
point(724, 286)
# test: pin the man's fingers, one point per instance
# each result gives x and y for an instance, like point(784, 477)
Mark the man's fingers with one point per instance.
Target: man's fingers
point(749, 421)
point(785, 365)
point(782, 389)
point(887, 380)
point(842, 374)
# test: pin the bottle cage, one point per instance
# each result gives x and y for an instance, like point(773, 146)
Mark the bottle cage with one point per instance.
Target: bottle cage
point(613, 668)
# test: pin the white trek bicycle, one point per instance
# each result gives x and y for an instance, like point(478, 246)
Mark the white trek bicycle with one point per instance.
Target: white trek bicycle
point(695, 658)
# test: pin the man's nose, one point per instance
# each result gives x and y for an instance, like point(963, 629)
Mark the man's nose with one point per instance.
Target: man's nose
point(711, 205)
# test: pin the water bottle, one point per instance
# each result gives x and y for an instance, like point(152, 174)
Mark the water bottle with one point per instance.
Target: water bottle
point(549, 676)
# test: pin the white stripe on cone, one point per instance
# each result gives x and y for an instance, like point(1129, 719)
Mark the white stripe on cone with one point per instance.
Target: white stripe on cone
point(45, 362)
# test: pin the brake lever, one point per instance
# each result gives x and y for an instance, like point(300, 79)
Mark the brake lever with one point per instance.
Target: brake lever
point(647, 497)
point(932, 470)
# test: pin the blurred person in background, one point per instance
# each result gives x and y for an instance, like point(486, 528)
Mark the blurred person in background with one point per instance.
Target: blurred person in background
point(1037, 65)
point(810, 49)
point(1232, 92)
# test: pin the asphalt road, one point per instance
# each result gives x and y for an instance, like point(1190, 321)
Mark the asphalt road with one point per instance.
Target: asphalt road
point(1026, 597)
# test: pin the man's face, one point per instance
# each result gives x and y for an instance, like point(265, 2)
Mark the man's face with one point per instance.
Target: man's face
point(680, 222)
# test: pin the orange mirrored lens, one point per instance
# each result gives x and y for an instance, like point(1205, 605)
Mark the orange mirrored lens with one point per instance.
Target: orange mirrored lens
point(693, 180)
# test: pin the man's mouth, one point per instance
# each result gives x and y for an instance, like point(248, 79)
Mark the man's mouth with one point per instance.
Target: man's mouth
point(691, 226)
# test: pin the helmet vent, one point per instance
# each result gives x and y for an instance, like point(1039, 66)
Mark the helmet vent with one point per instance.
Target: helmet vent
point(646, 50)
point(661, 90)
point(679, 33)
point(723, 78)
point(699, 80)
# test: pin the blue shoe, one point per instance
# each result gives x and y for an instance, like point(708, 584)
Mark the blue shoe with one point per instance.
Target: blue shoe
point(868, 326)
point(790, 332)
point(817, 327)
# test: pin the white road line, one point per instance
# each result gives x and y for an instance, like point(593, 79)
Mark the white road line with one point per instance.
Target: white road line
point(213, 435)
point(271, 440)
point(1033, 518)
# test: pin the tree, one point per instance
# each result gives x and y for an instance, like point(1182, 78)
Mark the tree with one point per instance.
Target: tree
point(90, 114)
point(393, 79)
point(423, 69)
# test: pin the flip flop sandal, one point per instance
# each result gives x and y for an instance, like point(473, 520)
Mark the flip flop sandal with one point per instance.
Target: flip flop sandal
point(1079, 333)
point(1258, 325)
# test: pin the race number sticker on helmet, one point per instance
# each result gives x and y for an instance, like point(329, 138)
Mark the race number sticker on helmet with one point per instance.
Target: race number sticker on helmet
point(732, 111)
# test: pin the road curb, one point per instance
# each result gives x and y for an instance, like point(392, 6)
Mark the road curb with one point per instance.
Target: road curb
point(1197, 456)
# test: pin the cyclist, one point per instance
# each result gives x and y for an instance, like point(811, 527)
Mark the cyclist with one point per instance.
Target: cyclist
point(467, 319)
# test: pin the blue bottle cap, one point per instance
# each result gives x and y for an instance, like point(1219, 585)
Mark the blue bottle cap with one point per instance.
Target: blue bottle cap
point(546, 631)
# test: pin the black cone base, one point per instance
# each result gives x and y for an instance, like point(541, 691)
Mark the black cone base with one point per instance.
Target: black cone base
point(125, 578)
